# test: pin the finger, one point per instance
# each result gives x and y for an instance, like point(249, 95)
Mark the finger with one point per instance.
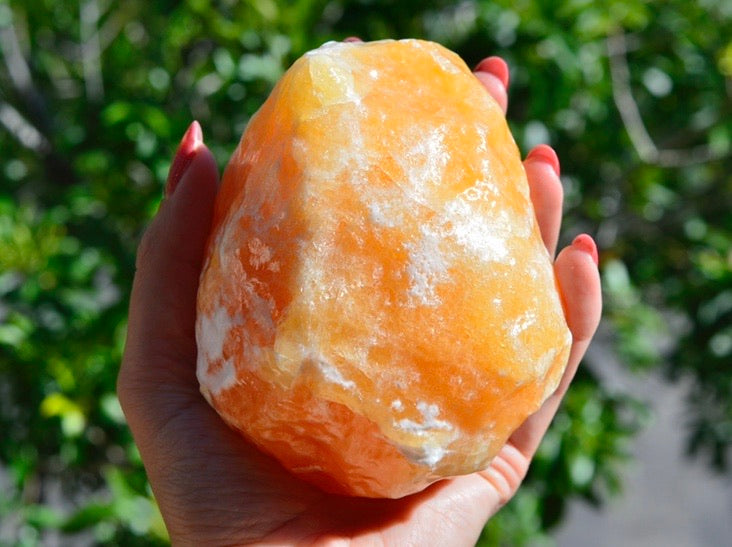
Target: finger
point(493, 73)
point(579, 283)
point(160, 345)
point(547, 195)
point(352, 39)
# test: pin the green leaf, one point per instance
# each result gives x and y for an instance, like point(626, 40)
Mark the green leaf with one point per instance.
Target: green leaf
point(87, 516)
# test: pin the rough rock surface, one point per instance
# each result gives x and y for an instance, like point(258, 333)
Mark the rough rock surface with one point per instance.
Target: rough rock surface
point(377, 309)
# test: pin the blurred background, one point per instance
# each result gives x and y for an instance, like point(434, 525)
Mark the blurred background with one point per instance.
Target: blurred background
point(635, 96)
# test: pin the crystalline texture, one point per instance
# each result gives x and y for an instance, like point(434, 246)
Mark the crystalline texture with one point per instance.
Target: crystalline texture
point(377, 310)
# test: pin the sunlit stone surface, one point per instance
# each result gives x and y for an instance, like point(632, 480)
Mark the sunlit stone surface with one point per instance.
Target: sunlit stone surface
point(377, 310)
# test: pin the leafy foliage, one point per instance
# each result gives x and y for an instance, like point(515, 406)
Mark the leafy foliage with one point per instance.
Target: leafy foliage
point(635, 96)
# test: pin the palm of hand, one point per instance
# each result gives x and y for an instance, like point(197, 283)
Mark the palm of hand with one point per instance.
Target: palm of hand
point(215, 488)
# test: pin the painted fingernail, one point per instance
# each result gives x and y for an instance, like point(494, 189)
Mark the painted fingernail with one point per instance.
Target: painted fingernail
point(353, 39)
point(496, 66)
point(545, 153)
point(585, 243)
point(192, 139)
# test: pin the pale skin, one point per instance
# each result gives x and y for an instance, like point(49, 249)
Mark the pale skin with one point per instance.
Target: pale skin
point(213, 488)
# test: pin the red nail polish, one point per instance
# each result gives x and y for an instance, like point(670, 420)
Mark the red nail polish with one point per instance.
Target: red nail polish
point(190, 142)
point(545, 153)
point(585, 243)
point(497, 67)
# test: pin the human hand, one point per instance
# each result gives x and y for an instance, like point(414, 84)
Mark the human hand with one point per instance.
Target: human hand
point(212, 486)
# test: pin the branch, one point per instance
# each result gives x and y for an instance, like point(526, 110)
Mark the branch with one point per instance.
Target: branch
point(102, 33)
point(14, 60)
point(22, 130)
point(32, 130)
point(112, 28)
point(20, 77)
point(57, 167)
point(91, 49)
point(627, 106)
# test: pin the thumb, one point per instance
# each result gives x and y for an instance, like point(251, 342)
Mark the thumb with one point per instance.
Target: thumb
point(161, 348)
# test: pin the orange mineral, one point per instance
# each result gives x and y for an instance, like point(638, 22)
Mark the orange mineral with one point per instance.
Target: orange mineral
point(377, 310)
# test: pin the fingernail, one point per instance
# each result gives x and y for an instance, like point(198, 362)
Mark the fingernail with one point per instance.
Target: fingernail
point(192, 139)
point(585, 243)
point(353, 39)
point(496, 66)
point(545, 153)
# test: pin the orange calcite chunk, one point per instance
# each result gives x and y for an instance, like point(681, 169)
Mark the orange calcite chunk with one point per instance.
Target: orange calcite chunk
point(377, 309)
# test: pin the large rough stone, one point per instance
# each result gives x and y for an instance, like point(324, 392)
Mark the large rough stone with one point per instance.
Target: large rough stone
point(377, 309)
